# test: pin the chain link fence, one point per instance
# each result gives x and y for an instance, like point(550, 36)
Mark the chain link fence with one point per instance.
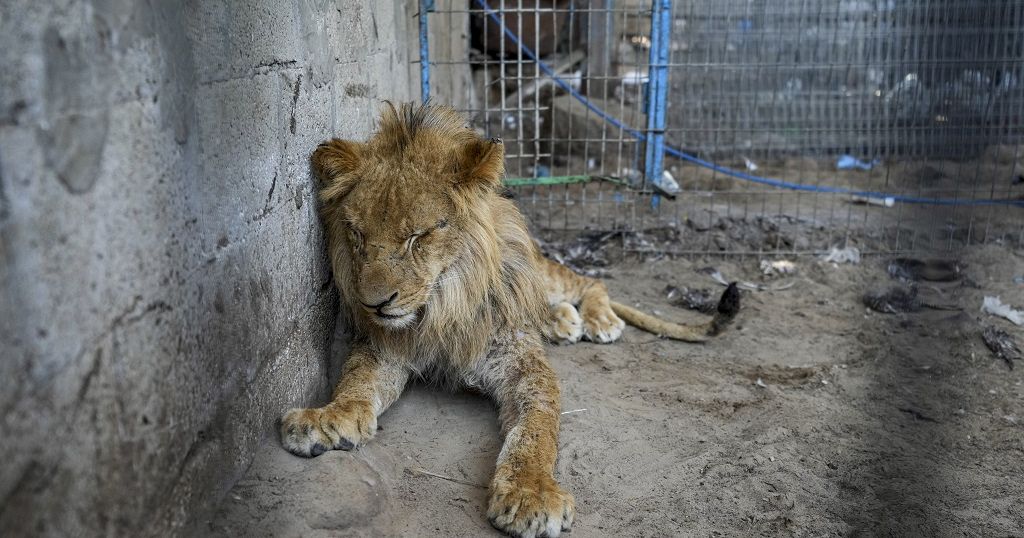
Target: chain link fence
point(747, 126)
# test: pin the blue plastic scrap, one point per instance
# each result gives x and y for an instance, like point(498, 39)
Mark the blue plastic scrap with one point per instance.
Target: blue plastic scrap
point(541, 171)
point(849, 162)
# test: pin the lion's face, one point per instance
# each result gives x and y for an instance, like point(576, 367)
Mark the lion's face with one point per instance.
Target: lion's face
point(400, 241)
point(398, 208)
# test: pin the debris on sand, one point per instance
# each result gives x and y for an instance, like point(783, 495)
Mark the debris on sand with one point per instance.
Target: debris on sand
point(584, 254)
point(1002, 345)
point(666, 184)
point(717, 276)
point(419, 471)
point(777, 267)
point(700, 300)
point(849, 162)
point(895, 300)
point(887, 201)
point(843, 255)
point(917, 414)
point(911, 270)
point(591, 252)
point(901, 300)
point(633, 178)
point(996, 307)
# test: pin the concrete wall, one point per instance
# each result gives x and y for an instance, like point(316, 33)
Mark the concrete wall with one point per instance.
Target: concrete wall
point(163, 290)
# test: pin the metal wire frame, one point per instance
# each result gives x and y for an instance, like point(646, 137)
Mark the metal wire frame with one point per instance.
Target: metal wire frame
point(797, 82)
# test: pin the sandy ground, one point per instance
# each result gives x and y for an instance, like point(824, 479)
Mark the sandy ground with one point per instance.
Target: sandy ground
point(861, 424)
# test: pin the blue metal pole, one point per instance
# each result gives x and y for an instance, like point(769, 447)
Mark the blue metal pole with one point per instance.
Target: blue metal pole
point(657, 89)
point(426, 6)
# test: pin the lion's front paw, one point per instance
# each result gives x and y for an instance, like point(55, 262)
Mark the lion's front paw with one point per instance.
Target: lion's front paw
point(602, 326)
point(311, 432)
point(530, 509)
point(566, 325)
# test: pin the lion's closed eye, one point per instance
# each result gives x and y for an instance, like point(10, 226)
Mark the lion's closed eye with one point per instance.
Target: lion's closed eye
point(411, 241)
point(416, 237)
point(355, 237)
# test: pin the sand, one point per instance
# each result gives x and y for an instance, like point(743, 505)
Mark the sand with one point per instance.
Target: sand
point(811, 416)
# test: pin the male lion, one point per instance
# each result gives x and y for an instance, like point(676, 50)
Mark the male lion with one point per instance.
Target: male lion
point(439, 277)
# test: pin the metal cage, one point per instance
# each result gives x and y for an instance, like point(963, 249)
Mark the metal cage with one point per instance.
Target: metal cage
point(747, 126)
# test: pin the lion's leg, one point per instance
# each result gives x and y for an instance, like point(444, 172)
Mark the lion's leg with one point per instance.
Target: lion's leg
point(566, 289)
point(525, 499)
point(368, 386)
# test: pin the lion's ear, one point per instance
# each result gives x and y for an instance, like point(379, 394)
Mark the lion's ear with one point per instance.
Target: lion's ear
point(482, 163)
point(333, 163)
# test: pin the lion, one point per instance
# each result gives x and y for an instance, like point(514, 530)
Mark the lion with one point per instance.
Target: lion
point(439, 278)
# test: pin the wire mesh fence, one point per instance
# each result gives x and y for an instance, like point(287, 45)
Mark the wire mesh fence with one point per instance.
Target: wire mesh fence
point(790, 125)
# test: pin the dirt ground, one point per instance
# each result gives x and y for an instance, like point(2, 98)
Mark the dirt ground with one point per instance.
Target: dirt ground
point(811, 416)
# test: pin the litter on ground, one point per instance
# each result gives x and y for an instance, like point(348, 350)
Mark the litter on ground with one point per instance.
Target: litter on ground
point(887, 201)
point(1002, 345)
point(912, 270)
point(843, 255)
point(849, 162)
point(666, 184)
point(719, 278)
point(777, 267)
point(996, 307)
point(895, 300)
point(700, 300)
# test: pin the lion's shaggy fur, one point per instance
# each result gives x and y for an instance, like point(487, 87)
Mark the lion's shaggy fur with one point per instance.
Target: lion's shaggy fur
point(491, 284)
point(438, 275)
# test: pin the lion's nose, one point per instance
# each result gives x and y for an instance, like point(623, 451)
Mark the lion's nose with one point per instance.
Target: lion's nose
point(383, 303)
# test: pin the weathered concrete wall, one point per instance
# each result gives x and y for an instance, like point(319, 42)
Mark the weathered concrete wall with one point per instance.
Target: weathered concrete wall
point(163, 290)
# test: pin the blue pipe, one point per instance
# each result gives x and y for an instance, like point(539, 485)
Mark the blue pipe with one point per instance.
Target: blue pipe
point(561, 83)
point(657, 90)
point(426, 6)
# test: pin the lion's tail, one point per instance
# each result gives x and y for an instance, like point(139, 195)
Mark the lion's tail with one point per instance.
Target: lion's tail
point(728, 306)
